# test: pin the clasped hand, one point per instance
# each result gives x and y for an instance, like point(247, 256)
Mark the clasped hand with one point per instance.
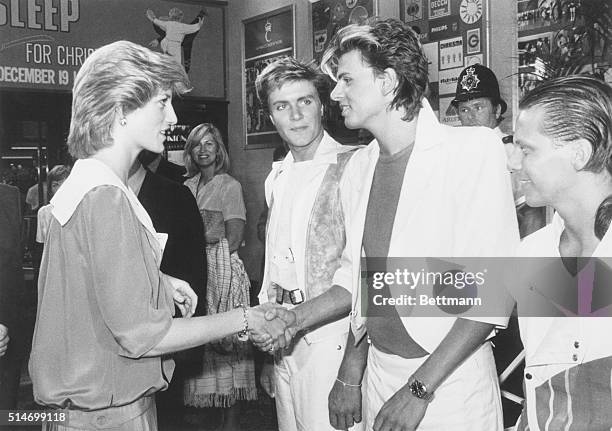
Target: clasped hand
point(271, 327)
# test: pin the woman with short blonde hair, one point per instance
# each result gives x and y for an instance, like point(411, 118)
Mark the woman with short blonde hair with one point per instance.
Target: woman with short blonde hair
point(105, 326)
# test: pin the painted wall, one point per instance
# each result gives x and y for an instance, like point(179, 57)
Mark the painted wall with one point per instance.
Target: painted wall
point(251, 167)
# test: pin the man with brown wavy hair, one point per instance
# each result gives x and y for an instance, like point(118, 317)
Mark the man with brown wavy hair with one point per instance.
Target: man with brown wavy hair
point(421, 190)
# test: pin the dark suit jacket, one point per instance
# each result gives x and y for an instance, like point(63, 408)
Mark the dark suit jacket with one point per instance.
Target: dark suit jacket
point(11, 254)
point(171, 171)
point(174, 211)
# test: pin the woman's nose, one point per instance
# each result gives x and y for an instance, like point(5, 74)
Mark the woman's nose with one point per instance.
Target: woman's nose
point(171, 118)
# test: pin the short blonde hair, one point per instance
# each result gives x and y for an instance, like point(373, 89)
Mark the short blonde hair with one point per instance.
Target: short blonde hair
point(115, 80)
point(222, 162)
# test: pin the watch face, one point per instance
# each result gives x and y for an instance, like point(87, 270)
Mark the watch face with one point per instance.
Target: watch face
point(418, 389)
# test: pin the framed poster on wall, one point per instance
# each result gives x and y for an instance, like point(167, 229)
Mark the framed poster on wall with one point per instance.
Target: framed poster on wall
point(534, 55)
point(267, 38)
point(50, 55)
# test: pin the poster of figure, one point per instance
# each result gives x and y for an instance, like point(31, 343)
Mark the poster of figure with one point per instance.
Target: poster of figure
point(563, 37)
point(534, 53)
point(267, 38)
point(176, 37)
point(535, 14)
point(330, 15)
point(192, 34)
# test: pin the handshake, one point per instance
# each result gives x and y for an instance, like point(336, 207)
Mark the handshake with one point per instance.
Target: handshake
point(271, 327)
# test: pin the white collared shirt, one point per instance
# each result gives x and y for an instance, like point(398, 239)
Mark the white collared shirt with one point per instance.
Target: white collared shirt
point(86, 175)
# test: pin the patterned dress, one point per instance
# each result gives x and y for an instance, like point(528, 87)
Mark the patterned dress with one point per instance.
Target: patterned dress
point(228, 371)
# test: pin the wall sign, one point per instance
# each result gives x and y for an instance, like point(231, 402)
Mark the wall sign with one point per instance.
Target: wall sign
point(439, 8)
point(473, 41)
point(448, 80)
point(412, 9)
point(470, 11)
point(448, 113)
point(443, 28)
point(267, 38)
point(44, 43)
point(471, 60)
point(451, 53)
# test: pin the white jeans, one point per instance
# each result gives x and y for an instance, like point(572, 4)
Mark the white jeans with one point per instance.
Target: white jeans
point(469, 400)
point(303, 380)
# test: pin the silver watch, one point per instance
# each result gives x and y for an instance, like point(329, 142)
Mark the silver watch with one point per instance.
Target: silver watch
point(419, 389)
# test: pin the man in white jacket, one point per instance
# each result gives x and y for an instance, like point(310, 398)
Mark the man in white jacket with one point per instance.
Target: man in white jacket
point(305, 237)
point(420, 189)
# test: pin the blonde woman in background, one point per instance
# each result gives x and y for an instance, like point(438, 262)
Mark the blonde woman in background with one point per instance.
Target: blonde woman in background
point(229, 373)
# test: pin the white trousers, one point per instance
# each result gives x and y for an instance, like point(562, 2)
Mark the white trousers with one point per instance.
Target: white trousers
point(303, 380)
point(469, 400)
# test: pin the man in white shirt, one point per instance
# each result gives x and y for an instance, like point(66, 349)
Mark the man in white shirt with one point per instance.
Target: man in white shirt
point(565, 270)
point(449, 196)
point(305, 237)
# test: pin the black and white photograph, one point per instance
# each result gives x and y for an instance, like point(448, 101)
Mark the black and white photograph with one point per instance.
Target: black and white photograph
point(305, 215)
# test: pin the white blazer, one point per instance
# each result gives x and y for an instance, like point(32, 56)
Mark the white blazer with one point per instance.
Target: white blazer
point(456, 201)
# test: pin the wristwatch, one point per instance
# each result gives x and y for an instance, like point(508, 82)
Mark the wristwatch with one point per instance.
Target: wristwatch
point(419, 390)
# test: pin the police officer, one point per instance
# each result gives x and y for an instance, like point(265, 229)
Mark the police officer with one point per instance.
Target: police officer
point(479, 103)
point(477, 98)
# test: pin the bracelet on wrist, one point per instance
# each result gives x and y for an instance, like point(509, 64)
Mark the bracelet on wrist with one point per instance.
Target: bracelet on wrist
point(347, 385)
point(243, 335)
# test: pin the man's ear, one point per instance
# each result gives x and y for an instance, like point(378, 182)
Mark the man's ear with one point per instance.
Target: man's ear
point(389, 81)
point(497, 112)
point(272, 119)
point(581, 151)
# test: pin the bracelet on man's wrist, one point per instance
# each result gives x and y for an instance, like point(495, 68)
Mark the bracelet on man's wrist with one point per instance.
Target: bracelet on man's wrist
point(243, 335)
point(347, 385)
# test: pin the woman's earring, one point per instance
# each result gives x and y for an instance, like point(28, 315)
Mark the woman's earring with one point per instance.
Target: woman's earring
point(123, 121)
